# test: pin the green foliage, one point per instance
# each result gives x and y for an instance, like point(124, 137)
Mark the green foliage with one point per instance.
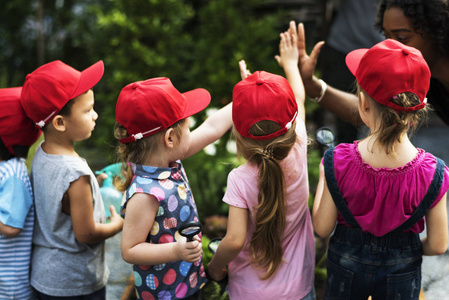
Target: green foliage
point(195, 43)
point(208, 177)
point(212, 290)
point(16, 44)
point(313, 160)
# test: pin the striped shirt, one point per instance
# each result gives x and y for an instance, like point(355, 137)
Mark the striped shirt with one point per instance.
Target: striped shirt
point(16, 210)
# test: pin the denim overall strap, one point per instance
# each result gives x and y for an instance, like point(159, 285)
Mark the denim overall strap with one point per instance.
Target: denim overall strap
point(428, 200)
point(335, 190)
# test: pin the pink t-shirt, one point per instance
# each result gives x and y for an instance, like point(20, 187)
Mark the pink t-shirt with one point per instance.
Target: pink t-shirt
point(381, 199)
point(294, 277)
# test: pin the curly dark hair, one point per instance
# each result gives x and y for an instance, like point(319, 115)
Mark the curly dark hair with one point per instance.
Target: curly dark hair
point(430, 16)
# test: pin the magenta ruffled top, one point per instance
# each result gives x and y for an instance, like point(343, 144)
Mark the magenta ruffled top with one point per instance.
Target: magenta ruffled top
point(381, 199)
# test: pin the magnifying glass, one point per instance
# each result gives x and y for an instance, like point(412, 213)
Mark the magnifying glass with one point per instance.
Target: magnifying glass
point(213, 244)
point(190, 229)
point(325, 136)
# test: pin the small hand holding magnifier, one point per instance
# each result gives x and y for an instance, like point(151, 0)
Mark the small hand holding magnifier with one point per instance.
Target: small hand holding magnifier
point(190, 229)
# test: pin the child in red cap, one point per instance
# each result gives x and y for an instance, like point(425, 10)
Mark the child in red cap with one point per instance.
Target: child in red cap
point(153, 128)
point(378, 190)
point(17, 134)
point(68, 258)
point(269, 245)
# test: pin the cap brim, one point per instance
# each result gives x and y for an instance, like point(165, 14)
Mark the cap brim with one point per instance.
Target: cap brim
point(353, 59)
point(197, 100)
point(89, 78)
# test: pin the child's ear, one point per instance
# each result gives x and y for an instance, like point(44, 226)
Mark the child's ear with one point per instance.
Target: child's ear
point(58, 123)
point(169, 139)
point(364, 102)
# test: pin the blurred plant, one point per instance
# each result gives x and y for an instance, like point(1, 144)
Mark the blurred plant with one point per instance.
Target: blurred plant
point(215, 226)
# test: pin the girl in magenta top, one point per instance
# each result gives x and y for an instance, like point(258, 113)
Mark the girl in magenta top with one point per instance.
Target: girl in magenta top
point(376, 192)
point(269, 245)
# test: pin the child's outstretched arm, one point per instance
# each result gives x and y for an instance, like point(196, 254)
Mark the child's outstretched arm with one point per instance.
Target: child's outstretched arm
point(231, 244)
point(85, 228)
point(141, 211)
point(435, 243)
point(324, 212)
point(211, 130)
point(288, 60)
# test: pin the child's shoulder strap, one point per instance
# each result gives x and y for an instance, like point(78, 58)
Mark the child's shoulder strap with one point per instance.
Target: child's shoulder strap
point(332, 185)
point(428, 199)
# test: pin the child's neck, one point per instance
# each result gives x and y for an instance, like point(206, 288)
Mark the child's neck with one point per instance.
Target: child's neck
point(159, 160)
point(58, 145)
point(376, 156)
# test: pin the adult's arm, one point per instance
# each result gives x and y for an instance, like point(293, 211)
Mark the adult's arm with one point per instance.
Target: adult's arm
point(342, 104)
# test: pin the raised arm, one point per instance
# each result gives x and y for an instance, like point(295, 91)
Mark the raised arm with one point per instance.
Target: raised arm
point(343, 104)
point(288, 60)
point(211, 130)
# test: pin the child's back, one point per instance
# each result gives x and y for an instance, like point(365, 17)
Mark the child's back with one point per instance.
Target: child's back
point(393, 193)
point(17, 133)
point(15, 252)
point(56, 252)
point(269, 244)
point(379, 190)
point(297, 242)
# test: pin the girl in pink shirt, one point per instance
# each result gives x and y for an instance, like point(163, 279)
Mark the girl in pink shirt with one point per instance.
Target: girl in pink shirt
point(269, 245)
point(375, 193)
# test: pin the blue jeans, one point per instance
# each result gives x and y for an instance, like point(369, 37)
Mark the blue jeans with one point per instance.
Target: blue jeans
point(310, 296)
point(360, 264)
point(98, 295)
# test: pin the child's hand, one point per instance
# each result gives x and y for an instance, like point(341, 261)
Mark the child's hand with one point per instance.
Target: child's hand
point(116, 219)
point(244, 72)
point(101, 178)
point(288, 50)
point(189, 251)
point(216, 275)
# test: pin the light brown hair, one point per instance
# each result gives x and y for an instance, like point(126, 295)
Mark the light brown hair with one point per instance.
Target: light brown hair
point(393, 124)
point(266, 242)
point(138, 151)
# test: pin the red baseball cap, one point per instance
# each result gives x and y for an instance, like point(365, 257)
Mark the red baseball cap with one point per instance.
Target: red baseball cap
point(16, 129)
point(263, 96)
point(388, 69)
point(147, 107)
point(51, 86)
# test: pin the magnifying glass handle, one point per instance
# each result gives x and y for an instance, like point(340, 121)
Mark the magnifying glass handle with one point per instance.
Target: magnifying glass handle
point(190, 229)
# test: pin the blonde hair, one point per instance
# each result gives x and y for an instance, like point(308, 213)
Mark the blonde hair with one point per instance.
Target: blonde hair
point(137, 152)
point(394, 124)
point(266, 242)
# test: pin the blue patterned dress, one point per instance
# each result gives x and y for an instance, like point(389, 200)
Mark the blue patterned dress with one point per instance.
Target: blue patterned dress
point(173, 280)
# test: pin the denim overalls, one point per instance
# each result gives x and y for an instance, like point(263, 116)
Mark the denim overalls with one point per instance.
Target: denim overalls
point(360, 264)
